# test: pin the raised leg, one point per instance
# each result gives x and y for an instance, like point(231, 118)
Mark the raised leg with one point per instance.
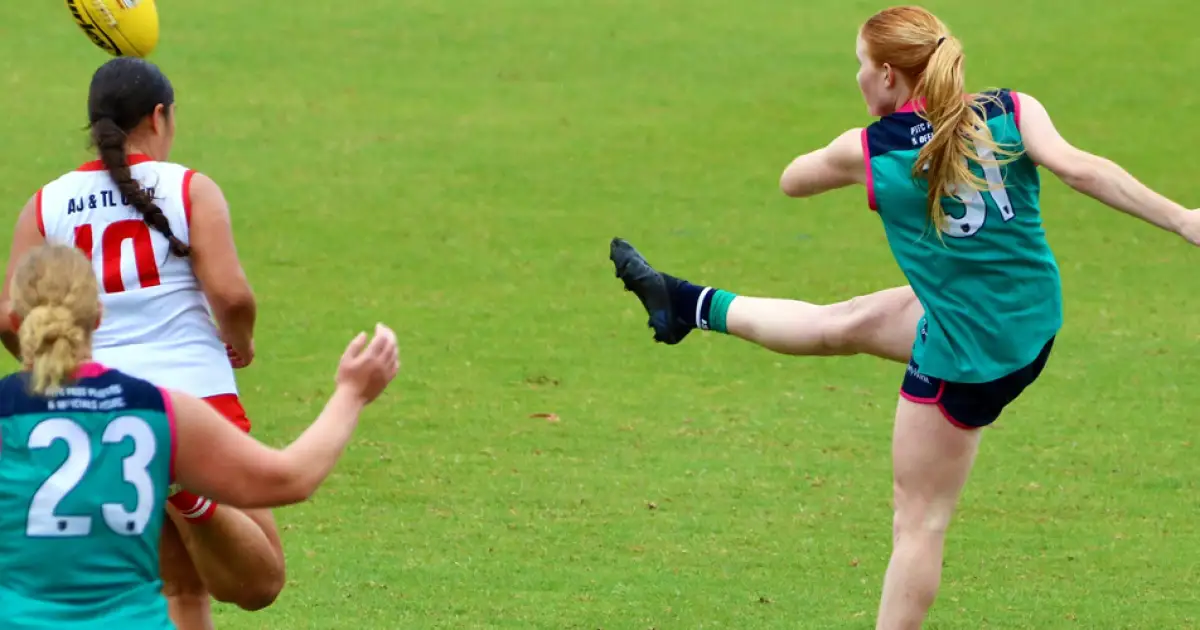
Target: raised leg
point(234, 556)
point(882, 324)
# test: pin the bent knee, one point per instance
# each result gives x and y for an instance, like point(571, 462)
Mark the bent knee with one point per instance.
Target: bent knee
point(919, 516)
point(853, 328)
point(252, 595)
point(928, 524)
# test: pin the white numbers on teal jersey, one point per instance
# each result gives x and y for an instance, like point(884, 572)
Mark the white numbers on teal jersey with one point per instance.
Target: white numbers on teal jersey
point(976, 208)
point(136, 471)
point(43, 520)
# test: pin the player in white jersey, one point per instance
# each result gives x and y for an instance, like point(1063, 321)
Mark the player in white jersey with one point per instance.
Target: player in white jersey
point(161, 244)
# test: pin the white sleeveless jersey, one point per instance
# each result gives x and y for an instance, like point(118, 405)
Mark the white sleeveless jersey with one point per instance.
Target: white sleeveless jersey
point(156, 323)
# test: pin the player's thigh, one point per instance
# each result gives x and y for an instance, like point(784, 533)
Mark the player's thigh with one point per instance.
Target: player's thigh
point(937, 434)
point(230, 406)
point(883, 323)
point(179, 573)
point(908, 308)
point(265, 520)
point(931, 460)
point(898, 307)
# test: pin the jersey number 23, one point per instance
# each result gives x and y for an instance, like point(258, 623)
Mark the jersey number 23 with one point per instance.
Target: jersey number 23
point(43, 519)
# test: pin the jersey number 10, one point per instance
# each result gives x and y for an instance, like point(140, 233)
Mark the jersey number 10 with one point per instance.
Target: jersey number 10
point(43, 521)
point(112, 241)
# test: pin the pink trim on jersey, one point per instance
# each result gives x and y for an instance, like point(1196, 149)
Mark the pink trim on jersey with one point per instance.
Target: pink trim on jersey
point(89, 369)
point(911, 106)
point(132, 160)
point(41, 223)
point(870, 183)
point(169, 407)
point(187, 196)
point(1016, 108)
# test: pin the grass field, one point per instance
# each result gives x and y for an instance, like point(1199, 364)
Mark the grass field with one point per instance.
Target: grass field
point(456, 170)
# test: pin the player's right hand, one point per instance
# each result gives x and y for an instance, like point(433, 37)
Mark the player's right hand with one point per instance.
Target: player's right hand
point(236, 359)
point(366, 368)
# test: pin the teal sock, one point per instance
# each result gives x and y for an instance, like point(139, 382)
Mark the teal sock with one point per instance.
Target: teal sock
point(718, 309)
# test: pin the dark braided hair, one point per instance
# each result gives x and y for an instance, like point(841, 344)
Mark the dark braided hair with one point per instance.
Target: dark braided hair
point(123, 93)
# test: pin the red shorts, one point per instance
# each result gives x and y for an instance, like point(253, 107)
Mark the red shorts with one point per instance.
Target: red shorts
point(229, 406)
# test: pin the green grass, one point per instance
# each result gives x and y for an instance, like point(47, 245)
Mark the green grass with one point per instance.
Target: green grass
point(456, 169)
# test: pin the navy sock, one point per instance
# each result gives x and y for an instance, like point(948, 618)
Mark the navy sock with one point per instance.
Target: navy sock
point(705, 308)
point(692, 303)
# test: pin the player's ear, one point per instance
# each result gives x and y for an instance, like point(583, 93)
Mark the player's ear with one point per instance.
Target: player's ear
point(158, 119)
point(889, 75)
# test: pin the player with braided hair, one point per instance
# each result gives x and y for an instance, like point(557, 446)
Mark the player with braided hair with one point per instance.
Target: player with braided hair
point(109, 140)
point(161, 245)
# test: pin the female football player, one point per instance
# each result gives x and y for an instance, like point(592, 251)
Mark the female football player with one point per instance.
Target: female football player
point(954, 179)
point(160, 240)
point(88, 452)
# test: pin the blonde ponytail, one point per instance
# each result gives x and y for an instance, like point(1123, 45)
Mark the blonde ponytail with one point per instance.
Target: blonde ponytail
point(57, 300)
point(54, 343)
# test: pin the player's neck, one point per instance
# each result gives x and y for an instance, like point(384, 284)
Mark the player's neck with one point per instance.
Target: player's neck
point(905, 103)
point(134, 147)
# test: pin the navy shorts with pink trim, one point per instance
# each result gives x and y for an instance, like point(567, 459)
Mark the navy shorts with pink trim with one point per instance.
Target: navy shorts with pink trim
point(972, 405)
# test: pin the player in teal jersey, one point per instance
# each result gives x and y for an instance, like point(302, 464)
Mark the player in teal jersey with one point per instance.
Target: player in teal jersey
point(87, 455)
point(954, 179)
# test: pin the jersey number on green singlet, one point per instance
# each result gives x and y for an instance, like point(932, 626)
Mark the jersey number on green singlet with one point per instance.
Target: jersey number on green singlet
point(42, 520)
point(976, 208)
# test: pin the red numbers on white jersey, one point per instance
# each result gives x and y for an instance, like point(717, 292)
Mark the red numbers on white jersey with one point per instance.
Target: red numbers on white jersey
point(112, 241)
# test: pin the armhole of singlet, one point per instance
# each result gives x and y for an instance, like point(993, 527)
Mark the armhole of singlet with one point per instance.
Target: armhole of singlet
point(41, 223)
point(1016, 112)
point(187, 196)
point(870, 180)
point(169, 408)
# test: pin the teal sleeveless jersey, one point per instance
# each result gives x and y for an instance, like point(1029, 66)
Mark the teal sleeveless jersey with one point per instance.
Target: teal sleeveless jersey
point(83, 487)
point(990, 286)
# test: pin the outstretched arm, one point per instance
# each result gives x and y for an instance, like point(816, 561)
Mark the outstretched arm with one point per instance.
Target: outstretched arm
point(1095, 176)
point(836, 165)
point(248, 474)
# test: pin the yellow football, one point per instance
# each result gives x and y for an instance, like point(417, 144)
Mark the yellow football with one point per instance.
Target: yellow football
point(123, 28)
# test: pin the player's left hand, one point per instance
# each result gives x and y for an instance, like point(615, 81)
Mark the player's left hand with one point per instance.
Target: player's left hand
point(367, 368)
